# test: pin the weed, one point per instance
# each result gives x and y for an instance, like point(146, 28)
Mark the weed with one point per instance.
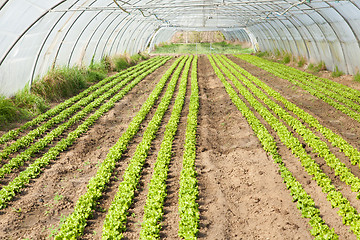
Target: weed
point(136, 58)
point(337, 73)
point(60, 83)
point(301, 62)
point(120, 63)
point(356, 78)
point(17, 210)
point(9, 112)
point(277, 53)
point(286, 58)
point(57, 198)
point(317, 68)
point(55, 230)
point(30, 102)
point(321, 66)
point(262, 54)
point(100, 209)
point(94, 76)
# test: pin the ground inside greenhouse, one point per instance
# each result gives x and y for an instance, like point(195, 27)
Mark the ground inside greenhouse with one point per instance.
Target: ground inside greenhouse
point(242, 195)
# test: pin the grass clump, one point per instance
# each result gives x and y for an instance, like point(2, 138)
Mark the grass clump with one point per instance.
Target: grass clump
point(202, 48)
point(301, 62)
point(57, 85)
point(61, 83)
point(287, 58)
point(23, 105)
point(262, 54)
point(357, 77)
point(8, 111)
point(317, 68)
point(120, 63)
point(30, 102)
point(337, 73)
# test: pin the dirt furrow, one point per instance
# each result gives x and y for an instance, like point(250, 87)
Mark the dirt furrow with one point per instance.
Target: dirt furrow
point(53, 195)
point(241, 193)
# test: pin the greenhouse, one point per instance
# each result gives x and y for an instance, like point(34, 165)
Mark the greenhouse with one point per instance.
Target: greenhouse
point(156, 119)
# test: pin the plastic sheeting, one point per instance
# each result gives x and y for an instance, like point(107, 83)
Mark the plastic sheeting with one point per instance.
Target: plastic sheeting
point(36, 35)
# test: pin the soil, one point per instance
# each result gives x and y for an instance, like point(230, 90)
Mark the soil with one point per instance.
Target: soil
point(241, 193)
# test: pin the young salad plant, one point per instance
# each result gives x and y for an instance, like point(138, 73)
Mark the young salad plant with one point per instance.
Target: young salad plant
point(304, 201)
point(49, 138)
point(77, 220)
point(189, 192)
point(323, 89)
point(153, 210)
point(115, 220)
point(33, 170)
point(346, 211)
point(308, 136)
point(12, 134)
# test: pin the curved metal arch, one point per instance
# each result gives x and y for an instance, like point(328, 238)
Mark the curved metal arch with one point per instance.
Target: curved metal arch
point(332, 28)
point(122, 34)
point(65, 35)
point(350, 27)
point(27, 29)
point(145, 30)
point(43, 44)
point(255, 29)
point(288, 41)
point(118, 38)
point(93, 33)
point(268, 22)
point(103, 32)
point(81, 34)
point(298, 20)
point(128, 40)
point(110, 35)
point(3, 5)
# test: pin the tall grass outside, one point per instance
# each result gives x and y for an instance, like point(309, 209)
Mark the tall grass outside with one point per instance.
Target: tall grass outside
point(202, 48)
point(57, 85)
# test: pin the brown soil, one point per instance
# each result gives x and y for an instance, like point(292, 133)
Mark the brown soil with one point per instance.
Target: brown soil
point(242, 195)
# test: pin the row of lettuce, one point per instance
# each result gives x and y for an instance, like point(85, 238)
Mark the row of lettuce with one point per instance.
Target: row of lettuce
point(93, 111)
point(281, 120)
point(337, 95)
point(81, 111)
point(87, 105)
point(115, 221)
point(58, 84)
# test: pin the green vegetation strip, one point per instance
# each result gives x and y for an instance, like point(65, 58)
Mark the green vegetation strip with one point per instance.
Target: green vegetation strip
point(115, 221)
point(189, 192)
point(308, 85)
point(12, 134)
point(76, 221)
point(153, 210)
point(348, 213)
point(336, 140)
point(304, 201)
point(309, 137)
point(33, 170)
point(90, 102)
point(51, 136)
point(333, 86)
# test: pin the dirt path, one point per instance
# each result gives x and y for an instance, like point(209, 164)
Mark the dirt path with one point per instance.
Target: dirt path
point(53, 195)
point(241, 193)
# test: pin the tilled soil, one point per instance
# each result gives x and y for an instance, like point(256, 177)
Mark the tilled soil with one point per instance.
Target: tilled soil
point(242, 195)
